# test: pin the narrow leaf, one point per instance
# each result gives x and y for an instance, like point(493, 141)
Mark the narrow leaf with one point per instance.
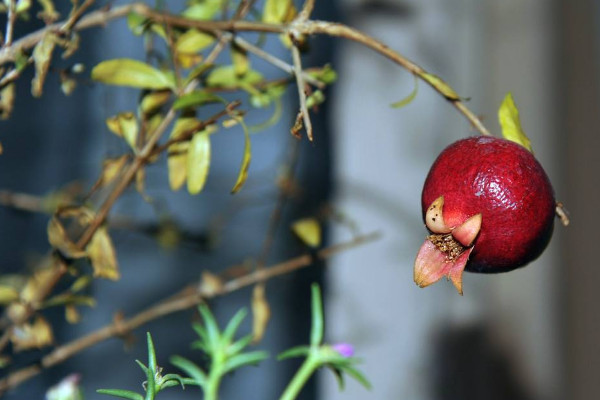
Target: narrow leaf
point(356, 374)
point(277, 11)
point(241, 360)
point(177, 161)
point(7, 100)
point(203, 10)
point(508, 115)
point(197, 98)
point(240, 60)
point(132, 73)
point(299, 351)
point(211, 326)
point(8, 294)
point(189, 368)
point(198, 162)
point(123, 394)
point(126, 126)
point(233, 325)
point(408, 99)
point(441, 86)
point(243, 174)
point(154, 100)
point(226, 77)
point(308, 230)
point(102, 255)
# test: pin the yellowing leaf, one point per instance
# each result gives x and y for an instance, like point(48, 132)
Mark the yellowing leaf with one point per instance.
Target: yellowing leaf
point(278, 11)
point(32, 335)
point(132, 73)
point(102, 255)
point(111, 168)
point(226, 77)
point(58, 238)
point(203, 10)
point(261, 312)
point(7, 100)
point(124, 125)
point(240, 60)
point(42, 55)
point(8, 294)
point(71, 314)
point(441, 86)
point(37, 286)
point(154, 100)
point(308, 230)
point(408, 99)
point(198, 162)
point(243, 174)
point(508, 115)
point(48, 13)
point(177, 154)
point(197, 98)
point(193, 41)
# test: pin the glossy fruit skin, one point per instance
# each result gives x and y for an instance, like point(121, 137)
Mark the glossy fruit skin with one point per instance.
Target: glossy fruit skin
point(508, 186)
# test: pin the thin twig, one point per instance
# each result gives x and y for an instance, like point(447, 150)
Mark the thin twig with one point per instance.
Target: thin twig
point(188, 297)
point(307, 9)
point(10, 22)
point(301, 91)
point(76, 15)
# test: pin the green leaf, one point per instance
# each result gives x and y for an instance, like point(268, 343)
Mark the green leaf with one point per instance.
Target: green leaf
point(299, 351)
point(316, 98)
point(204, 10)
point(193, 41)
point(48, 13)
point(42, 55)
point(226, 77)
point(308, 230)
point(151, 353)
point(508, 115)
point(211, 326)
point(243, 359)
point(124, 394)
point(240, 345)
point(189, 368)
point(198, 161)
point(356, 374)
point(326, 74)
point(408, 99)
point(243, 174)
point(132, 73)
point(233, 325)
point(197, 98)
point(136, 23)
point(439, 84)
point(316, 330)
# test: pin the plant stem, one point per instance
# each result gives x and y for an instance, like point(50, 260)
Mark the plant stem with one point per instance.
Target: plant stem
point(308, 367)
point(211, 391)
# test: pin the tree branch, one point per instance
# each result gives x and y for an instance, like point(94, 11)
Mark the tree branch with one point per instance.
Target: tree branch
point(187, 298)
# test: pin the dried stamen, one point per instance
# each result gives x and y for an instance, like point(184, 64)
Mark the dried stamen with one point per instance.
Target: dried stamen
point(447, 245)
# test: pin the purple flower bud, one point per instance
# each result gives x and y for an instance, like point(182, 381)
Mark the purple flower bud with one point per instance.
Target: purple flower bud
point(345, 349)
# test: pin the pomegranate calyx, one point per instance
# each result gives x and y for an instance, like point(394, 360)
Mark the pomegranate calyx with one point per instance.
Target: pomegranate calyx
point(468, 230)
point(432, 264)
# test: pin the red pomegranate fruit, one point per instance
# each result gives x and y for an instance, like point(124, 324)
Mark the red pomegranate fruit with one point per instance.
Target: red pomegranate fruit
point(489, 207)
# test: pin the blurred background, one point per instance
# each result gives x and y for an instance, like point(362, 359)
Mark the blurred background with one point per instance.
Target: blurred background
point(529, 334)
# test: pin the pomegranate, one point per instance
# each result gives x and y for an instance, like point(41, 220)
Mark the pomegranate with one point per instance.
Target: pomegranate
point(489, 207)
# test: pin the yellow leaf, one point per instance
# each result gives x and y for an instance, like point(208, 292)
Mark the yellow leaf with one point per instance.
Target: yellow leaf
point(111, 168)
point(41, 281)
point(240, 60)
point(408, 99)
point(7, 100)
point(198, 162)
point(8, 294)
point(177, 154)
point(42, 55)
point(508, 115)
point(102, 255)
point(261, 313)
point(441, 86)
point(192, 41)
point(278, 11)
point(308, 230)
point(71, 314)
point(32, 335)
point(154, 100)
point(58, 238)
point(132, 73)
point(243, 174)
point(124, 125)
